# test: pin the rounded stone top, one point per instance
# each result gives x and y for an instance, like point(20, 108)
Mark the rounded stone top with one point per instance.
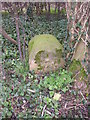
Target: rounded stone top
point(43, 49)
point(45, 42)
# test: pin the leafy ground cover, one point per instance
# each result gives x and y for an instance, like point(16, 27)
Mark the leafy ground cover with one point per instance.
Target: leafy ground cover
point(44, 96)
point(29, 95)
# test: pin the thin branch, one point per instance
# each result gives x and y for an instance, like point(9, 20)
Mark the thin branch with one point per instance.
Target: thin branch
point(83, 96)
point(5, 35)
point(18, 36)
point(48, 112)
point(65, 105)
point(31, 90)
point(85, 42)
point(76, 74)
point(80, 8)
point(43, 110)
point(24, 45)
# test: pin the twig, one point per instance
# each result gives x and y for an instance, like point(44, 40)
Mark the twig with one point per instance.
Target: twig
point(23, 106)
point(80, 8)
point(23, 44)
point(48, 112)
point(24, 37)
point(18, 34)
point(76, 74)
point(82, 17)
point(65, 105)
point(84, 42)
point(83, 96)
point(84, 23)
point(74, 106)
point(43, 110)
point(31, 90)
point(5, 35)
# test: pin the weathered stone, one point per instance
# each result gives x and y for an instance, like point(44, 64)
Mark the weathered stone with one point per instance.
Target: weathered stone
point(45, 53)
point(80, 51)
point(79, 75)
point(77, 70)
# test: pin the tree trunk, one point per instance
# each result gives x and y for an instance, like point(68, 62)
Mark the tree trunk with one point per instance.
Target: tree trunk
point(23, 45)
point(71, 21)
point(5, 35)
point(48, 7)
point(58, 8)
point(55, 6)
point(41, 7)
point(18, 36)
point(78, 15)
point(88, 44)
point(45, 6)
point(37, 8)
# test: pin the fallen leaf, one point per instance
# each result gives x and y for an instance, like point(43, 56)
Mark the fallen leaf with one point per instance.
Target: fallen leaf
point(57, 96)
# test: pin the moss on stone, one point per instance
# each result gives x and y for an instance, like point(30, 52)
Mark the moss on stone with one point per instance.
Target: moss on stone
point(30, 46)
point(40, 67)
point(44, 50)
point(59, 52)
point(59, 61)
point(76, 67)
point(83, 73)
point(38, 57)
point(45, 42)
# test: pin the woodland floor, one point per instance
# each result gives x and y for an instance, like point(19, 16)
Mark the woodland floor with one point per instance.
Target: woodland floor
point(74, 103)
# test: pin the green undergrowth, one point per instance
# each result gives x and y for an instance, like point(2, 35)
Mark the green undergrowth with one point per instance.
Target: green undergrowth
point(56, 81)
point(39, 25)
point(35, 91)
point(24, 94)
point(52, 11)
point(21, 87)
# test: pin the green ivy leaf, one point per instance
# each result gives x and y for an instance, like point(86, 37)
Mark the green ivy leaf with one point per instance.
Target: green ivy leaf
point(22, 93)
point(51, 93)
point(64, 89)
